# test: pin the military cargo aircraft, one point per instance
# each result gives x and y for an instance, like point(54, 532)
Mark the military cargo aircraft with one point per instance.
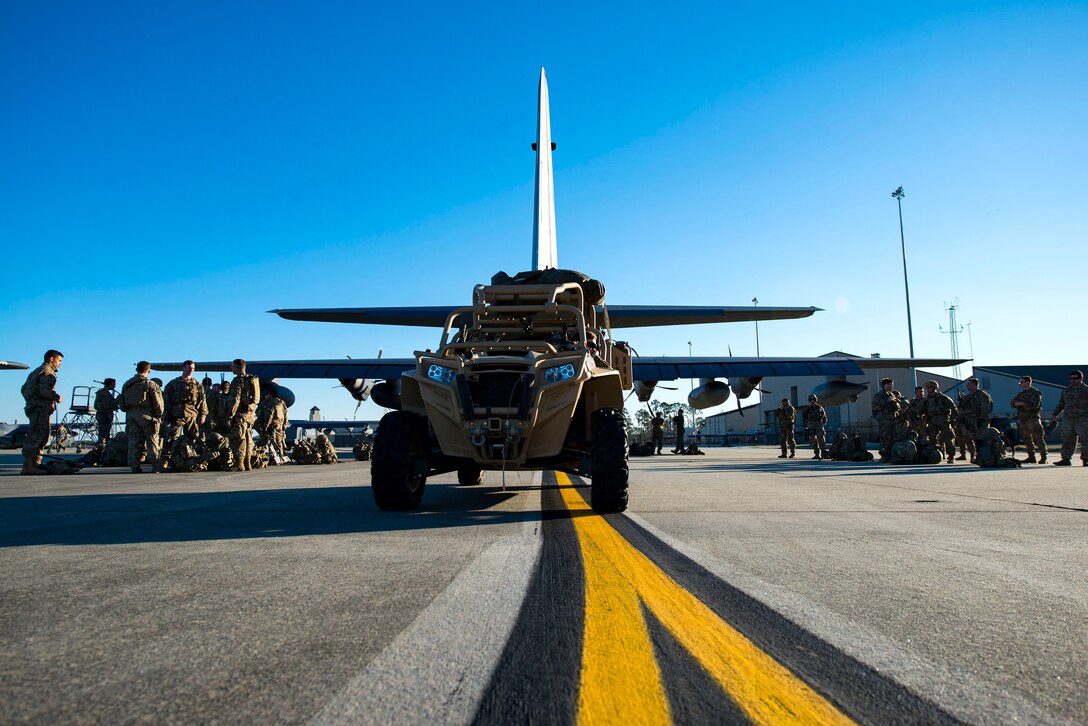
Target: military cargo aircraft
point(529, 376)
point(7, 365)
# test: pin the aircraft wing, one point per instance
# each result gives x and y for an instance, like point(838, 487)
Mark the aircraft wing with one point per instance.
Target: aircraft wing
point(645, 316)
point(620, 316)
point(346, 368)
point(433, 316)
point(673, 368)
point(9, 365)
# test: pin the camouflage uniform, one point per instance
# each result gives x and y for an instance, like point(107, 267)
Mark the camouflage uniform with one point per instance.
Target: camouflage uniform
point(886, 407)
point(1031, 425)
point(815, 419)
point(141, 400)
point(41, 398)
point(271, 423)
point(975, 412)
point(105, 404)
point(657, 426)
point(939, 412)
point(678, 424)
point(245, 394)
point(211, 400)
point(916, 416)
point(325, 451)
point(1074, 402)
point(787, 417)
point(185, 406)
point(220, 412)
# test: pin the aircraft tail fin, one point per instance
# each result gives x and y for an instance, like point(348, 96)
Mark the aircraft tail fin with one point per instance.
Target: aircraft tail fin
point(544, 250)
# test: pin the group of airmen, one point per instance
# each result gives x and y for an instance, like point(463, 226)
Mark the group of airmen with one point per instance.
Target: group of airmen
point(160, 421)
point(952, 425)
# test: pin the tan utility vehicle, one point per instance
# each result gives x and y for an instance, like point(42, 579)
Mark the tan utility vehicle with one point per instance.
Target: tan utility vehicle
point(527, 378)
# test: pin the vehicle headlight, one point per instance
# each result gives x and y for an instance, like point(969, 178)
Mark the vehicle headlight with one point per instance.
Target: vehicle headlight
point(559, 373)
point(442, 374)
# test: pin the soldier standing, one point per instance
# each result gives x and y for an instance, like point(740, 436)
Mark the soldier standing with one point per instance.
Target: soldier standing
point(186, 409)
point(916, 415)
point(42, 399)
point(141, 400)
point(815, 420)
point(975, 410)
point(1029, 405)
point(1074, 402)
point(678, 424)
point(221, 411)
point(245, 394)
point(939, 412)
point(787, 416)
point(964, 443)
point(885, 409)
point(657, 426)
point(105, 404)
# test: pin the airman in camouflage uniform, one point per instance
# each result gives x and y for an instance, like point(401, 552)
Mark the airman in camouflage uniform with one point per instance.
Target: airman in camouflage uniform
point(141, 400)
point(787, 417)
point(105, 404)
point(886, 407)
point(42, 399)
point(1029, 405)
point(939, 412)
point(271, 422)
point(975, 411)
point(1074, 403)
point(325, 450)
point(245, 394)
point(185, 409)
point(657, 427)
point(815, 418)
point(916, 415)
point(964, 443)
point(220, 412)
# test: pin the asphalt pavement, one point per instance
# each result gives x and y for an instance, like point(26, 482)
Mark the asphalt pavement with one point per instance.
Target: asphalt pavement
point(737, 588)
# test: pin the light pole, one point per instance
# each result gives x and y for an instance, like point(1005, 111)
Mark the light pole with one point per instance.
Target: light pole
point(898, 194)
point(755, 301)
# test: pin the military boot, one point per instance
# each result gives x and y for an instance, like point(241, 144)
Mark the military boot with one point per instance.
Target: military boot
point(32, 466)
point(1063, 462)
point(782, 455)
point(793, 453)
point(961, 457)
point(1029, 460)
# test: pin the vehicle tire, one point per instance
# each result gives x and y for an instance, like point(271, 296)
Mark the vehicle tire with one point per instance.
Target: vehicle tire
point(608, 489)
point(470, 475)
point(395, 470)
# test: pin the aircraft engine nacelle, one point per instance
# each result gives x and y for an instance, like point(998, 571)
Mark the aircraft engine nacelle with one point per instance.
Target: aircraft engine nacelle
point(359, 388)
point(644, 390)
point(387, 394)
point(708, 393)
point(288, 396)
point(838, 392)
point(743, 387)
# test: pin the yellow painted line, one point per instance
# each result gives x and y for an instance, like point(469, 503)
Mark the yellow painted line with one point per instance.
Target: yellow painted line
point(766, 691)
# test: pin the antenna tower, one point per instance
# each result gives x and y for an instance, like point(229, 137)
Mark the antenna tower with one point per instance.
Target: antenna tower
point(954, 334)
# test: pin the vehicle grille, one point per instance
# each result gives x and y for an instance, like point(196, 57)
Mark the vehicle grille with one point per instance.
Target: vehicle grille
point(497, 389)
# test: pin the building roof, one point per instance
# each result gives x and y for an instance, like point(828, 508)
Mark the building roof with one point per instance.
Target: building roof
point(1054, 375)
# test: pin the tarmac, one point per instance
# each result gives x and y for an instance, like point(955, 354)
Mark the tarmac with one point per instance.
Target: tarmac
point(737, 588)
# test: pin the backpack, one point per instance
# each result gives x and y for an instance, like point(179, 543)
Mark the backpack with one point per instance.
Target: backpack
point(250, 394)
point(903, 452)
point(135, 395)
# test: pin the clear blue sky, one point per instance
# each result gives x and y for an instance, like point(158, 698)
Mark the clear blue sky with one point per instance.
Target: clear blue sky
point(170, 171)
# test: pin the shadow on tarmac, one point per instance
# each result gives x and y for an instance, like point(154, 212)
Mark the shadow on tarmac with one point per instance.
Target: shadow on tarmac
point(183, 517)
point(830, 468)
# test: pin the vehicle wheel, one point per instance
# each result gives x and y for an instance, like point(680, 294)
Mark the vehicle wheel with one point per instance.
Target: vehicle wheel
point(470, 475)
point(397, 469)
point(608, 489)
